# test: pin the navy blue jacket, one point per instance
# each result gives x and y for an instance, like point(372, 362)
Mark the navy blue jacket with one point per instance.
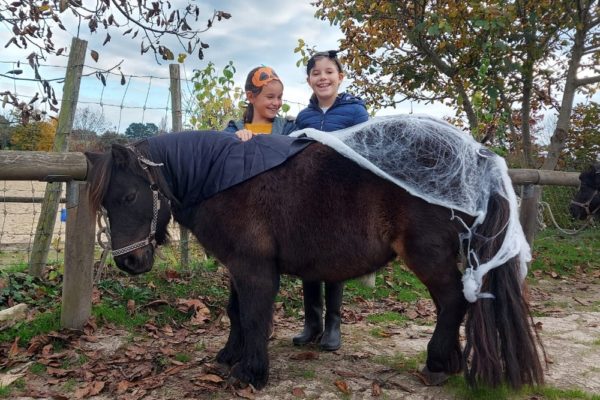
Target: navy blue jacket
point(346, 111)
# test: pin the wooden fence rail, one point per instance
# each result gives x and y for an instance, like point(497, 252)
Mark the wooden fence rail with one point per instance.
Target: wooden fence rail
point(62, 167)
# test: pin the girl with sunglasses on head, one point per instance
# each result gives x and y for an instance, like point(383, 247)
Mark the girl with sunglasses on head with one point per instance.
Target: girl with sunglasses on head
point(264, 91)
point(327, 111)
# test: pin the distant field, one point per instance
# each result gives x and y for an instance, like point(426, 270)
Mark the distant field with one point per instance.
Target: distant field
point(18, 221)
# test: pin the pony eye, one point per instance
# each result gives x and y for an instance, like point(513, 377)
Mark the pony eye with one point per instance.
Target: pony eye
point(129, 198)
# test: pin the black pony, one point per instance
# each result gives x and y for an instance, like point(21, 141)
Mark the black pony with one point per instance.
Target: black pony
point(320, 216)
point(586, 201)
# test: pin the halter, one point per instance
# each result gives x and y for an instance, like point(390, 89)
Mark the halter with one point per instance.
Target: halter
point(586, 205)
point(150, 239)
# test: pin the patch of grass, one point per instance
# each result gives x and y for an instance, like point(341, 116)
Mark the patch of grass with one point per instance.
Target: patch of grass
point(170, 281)
point(182, 357)
point(387, 317)
point(401, 362)
point(15, 268)
point(552, 393)
point(82, 359)
point(37, 368)
point(69, 385)
point(26, 330)
point(6, 392)
point(459, 387)
point(119, 316)
point(309, 374)
point(20, 287)
point(554, 251)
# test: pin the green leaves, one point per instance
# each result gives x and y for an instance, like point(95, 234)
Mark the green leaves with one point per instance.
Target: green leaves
point(216, 97)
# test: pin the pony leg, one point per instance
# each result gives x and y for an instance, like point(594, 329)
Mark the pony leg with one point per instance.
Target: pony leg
point(232, 352)
point(256, 296)
point(444, 353)
point(428, 259)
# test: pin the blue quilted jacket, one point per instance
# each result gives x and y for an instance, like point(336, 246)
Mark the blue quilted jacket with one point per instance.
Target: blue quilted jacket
point(346, 111)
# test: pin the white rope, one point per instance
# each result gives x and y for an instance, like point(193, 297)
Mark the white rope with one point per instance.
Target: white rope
point(589, 220)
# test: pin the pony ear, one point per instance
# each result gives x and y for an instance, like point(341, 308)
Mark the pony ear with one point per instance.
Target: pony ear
point(92, 157)
point(121, 155)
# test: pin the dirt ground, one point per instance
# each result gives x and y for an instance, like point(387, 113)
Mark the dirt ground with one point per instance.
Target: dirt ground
point(18, 221)
point(570, 331)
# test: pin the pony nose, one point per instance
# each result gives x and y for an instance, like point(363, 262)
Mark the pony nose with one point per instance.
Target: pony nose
point(576, 211)
point(136, 262)
point(128, 263)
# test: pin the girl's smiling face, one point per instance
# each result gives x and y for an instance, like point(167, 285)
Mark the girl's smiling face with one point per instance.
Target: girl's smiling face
point(266, 103)
point(325, 79)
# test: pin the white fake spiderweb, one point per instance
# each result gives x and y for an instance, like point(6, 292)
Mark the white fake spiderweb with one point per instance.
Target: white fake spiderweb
point(437, 162)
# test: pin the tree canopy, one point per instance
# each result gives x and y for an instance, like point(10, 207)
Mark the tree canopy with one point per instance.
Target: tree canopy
point(38, 136)
point(498, 63)
point(138, 130)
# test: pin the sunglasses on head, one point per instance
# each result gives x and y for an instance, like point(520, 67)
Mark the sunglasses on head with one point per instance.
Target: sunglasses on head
point(264, 75)
point(328, 53)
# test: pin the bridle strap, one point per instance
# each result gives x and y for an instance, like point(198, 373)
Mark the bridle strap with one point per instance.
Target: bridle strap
point(151, 238)
point(586, 205)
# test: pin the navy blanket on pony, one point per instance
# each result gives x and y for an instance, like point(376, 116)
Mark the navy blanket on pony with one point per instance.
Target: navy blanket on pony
point(199, 165)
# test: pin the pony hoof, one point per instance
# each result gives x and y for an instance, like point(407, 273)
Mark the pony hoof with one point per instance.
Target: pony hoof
point(240, 378)
point(226, 357)
point(432, 378)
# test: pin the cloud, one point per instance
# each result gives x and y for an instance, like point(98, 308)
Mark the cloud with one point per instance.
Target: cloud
point(258, 33)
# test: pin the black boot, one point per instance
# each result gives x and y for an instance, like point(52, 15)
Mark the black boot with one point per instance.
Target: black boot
point(313, 314)
point(332, 336)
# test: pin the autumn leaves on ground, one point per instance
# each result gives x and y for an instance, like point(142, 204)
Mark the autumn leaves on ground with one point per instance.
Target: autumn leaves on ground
point(156, 336)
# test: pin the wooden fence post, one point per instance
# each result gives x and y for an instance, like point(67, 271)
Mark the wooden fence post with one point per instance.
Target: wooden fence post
point(79, 258)
point(45, 226)
point(528, 213)
point(177, 124)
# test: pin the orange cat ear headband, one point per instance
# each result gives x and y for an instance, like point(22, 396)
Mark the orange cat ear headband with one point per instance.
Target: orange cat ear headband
point(264, 75)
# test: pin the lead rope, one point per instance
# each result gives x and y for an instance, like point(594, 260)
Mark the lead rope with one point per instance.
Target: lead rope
point(105, 245)
point(588, 221)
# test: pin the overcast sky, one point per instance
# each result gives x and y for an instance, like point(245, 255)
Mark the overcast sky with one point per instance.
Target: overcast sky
point(264, 32)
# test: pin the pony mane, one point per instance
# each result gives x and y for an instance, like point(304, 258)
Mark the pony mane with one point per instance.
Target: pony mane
point(98, 178)
point(588, 175)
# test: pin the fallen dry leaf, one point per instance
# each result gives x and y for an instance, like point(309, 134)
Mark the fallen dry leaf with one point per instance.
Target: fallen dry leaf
point(343, 387)
point(304, 356)
point(7, 379)
point(210, 378)
point(123, 386)
point(375, 389)
point(246, 393)
point(37, 343)
point(14, 348)
point(131, 306)
point(298, 392)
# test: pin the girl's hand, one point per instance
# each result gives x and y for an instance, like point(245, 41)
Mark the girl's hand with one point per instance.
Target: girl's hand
point(244, 134)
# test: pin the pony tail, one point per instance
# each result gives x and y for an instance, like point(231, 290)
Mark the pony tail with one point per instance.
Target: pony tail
point(501, 345)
